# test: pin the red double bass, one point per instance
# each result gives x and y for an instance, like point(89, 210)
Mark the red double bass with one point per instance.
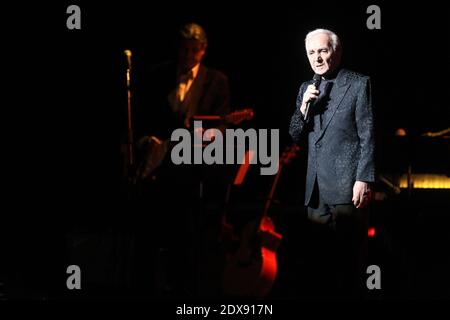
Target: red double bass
point(251, 270)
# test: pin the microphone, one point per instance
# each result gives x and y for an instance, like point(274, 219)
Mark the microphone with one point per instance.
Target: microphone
point(316, 82)
point(128, 54)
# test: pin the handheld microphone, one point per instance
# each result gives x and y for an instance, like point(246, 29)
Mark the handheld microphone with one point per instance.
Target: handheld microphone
point(316, 82)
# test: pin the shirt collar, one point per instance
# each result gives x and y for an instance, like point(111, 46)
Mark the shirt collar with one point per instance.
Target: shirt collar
point(191, 74)
point(194, 71)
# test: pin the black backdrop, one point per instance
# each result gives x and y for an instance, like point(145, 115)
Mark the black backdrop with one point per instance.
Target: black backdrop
point(69, 97)
point(260, 48)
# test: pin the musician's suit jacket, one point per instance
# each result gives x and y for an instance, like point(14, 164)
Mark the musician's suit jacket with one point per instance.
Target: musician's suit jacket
point(208, 95)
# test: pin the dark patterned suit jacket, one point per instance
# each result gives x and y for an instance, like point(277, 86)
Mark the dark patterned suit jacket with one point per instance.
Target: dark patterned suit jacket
point(342, 151)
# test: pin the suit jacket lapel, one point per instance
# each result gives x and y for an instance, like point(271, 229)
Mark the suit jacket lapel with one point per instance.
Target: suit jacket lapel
point(191, 103)
point(338, 92)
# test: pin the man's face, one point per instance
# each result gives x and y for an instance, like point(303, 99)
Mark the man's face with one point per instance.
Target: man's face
point(191, 53)
point(322, 58)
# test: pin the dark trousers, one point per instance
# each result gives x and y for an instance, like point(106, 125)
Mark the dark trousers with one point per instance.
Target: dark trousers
point(338, 248)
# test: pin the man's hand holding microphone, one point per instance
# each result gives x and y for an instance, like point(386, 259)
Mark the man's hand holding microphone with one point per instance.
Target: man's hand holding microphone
point(311, 94)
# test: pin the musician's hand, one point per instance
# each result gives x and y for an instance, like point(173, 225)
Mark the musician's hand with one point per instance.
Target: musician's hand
point(209, 135)
point(187, 122)
point(198, 132)
point(361, 194)
point(310, 95)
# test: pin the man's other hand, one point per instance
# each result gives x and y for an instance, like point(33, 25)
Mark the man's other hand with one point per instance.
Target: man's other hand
point(361, 194)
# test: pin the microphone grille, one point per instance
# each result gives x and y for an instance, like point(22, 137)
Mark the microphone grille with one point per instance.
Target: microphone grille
point(316, 79)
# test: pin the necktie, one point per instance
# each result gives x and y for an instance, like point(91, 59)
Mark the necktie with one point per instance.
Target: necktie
point(324, 89)
point(183, 85)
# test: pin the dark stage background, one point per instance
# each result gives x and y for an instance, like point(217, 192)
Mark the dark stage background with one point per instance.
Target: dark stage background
point(68, 108)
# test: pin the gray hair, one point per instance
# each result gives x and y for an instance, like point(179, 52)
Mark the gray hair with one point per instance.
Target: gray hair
point(334, 39)
point(194, 31)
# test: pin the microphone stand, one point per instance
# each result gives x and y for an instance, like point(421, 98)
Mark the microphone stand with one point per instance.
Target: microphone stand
point(130, 161)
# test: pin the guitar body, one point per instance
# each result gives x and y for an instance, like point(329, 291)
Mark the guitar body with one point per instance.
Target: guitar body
point(154, 150)
point(252, 269)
